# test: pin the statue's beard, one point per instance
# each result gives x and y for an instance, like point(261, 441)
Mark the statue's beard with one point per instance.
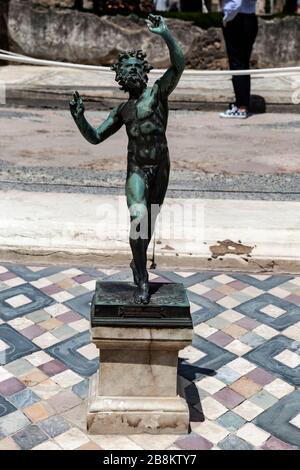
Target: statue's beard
point(132, 81)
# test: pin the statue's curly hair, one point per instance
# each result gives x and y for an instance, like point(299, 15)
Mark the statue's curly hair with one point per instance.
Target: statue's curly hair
point(123, 56)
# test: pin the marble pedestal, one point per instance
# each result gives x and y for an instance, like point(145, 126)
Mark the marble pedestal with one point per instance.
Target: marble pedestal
point(135, 390)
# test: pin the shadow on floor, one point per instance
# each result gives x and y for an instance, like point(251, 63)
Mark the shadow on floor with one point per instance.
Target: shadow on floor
point(188, 390)
point(257, 104)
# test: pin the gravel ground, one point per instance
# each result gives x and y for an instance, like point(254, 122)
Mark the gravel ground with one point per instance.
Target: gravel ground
point(258, 158)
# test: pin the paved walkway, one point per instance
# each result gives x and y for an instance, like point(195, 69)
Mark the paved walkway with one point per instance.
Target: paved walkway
point(198, 141)
point(210, 157)
point(51, 85)
point(241, 375)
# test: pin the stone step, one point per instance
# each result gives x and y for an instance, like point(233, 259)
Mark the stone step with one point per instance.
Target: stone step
point(206, 233)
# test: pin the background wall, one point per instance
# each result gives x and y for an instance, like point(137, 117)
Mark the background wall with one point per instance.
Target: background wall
point(57, 33)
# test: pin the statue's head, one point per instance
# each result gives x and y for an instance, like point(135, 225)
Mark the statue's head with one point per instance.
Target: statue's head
point(132, 70)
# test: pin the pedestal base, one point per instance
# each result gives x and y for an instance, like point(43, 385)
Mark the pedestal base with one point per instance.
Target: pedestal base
point(135, 415)
point(136, 389)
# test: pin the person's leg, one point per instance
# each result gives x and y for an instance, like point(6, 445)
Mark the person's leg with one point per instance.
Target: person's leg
point(242, 84)
point(237, 38)
point(233, 36)
point(137, 195)
point(250, 29)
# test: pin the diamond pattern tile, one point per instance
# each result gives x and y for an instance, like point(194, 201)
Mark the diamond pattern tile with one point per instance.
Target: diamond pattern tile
point(278, 420)
point(21, 300)
point(286, 367)
point(19, 345)
point(280, 314)
point(240, 376)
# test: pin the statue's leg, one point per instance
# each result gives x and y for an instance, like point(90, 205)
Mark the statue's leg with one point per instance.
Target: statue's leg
point(135, 274)
point(157, 192)
point(137, 192)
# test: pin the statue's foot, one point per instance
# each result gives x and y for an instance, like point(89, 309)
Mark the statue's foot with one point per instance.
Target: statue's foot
point(135, 273)
point(142, 295)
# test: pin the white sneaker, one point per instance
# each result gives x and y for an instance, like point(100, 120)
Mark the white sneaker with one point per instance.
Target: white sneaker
point(234, 112)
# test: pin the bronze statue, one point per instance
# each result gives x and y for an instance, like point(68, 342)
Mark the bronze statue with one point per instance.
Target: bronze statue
point(145, 116)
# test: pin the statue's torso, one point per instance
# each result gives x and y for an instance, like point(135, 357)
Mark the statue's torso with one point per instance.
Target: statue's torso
point(146, 121)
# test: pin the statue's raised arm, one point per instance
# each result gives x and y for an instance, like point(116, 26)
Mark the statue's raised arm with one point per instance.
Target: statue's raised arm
point(169, 80)
point(94, 135)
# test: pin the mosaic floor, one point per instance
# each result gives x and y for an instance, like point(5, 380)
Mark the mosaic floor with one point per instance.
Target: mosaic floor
point(241, 376)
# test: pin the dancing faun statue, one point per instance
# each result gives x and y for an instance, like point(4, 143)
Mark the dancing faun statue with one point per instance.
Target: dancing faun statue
point(145, 115)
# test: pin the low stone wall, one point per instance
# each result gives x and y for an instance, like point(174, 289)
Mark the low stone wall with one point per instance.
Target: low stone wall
point(3, 26)
point(68, 35)
point(278, 42)
point(276, 45)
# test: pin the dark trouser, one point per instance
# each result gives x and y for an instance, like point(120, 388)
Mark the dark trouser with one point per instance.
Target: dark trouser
point(239, 35)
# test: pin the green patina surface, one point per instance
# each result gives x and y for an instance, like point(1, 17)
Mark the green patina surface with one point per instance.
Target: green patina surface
point(113, 304)
point(145, 116)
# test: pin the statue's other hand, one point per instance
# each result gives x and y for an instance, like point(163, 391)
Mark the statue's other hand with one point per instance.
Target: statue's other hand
point(76, 105)
point(156, 24)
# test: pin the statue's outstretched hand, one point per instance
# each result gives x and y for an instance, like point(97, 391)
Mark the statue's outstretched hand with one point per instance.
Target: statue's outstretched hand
point(76, 105)
point(156, 24)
